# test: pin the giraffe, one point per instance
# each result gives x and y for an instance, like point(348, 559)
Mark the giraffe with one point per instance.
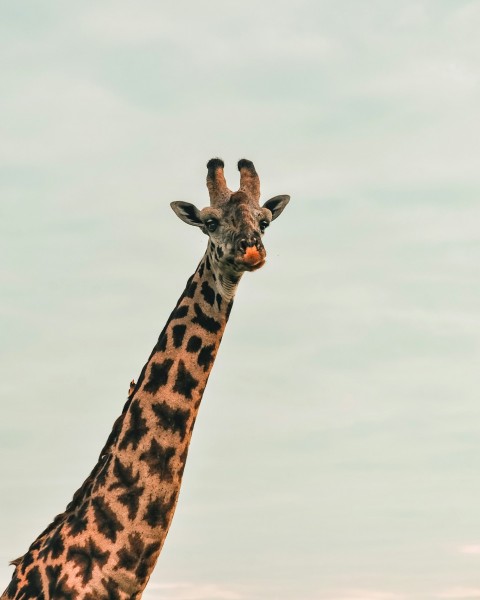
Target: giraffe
point(104, 546)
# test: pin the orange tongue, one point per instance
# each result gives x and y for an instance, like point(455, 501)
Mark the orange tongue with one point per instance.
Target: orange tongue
point(252, 255)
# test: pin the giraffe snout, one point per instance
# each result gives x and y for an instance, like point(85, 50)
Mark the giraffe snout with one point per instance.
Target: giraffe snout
point(249, 242)
point(251, 252)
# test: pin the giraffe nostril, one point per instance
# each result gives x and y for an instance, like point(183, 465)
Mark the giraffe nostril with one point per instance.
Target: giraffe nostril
point(252, 241)
point(242, 245)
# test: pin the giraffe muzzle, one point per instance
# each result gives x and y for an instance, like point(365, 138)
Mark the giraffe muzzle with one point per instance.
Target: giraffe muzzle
point(251, 253)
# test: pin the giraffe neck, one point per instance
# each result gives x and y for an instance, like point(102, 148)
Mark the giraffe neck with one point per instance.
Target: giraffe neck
point(110, 536)
point(156, 432)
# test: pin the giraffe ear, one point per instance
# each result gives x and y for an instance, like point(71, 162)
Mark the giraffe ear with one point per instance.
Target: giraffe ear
point(189, 213)
point(276, 205)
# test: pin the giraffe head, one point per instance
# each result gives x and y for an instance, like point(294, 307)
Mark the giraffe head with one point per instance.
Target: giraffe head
point(235, 222)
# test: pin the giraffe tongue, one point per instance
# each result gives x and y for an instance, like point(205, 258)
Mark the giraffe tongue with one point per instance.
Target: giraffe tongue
point(252, 255)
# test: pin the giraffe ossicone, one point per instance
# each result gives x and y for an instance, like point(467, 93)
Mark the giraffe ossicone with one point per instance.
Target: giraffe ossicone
point(105, 544)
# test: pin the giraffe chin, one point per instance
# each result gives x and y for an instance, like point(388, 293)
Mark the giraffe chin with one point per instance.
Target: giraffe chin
point(256, 266)
point(251, 261)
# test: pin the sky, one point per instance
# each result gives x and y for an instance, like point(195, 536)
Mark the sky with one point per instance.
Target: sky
point(335, 456)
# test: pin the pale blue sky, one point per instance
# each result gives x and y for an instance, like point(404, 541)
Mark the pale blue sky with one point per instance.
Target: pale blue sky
point(336, 452)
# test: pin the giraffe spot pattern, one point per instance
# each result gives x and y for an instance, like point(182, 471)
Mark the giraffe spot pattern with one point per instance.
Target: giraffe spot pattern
point(194, 344)
point(190, 289)
point(158, 511)
point(53, 546)
point(124, 475)
point(78, 521)
point(13, 585)
point(158, 460)
point(33, 589)
point(180, 312)
point(137, 428)
point(37, 544)
point(205, 322)
point(131, 500)
point(104, 464)
point(147, 561)
point(171, 419)
point(185, 383)
point(128, 557)
point(137, 557)
point(28, 559)
point(208, 293)
point(158, 376)
point(206, 357)
point(178, 333)
point(127, 480)
point(111, 592)
point(86, 558)
point(162, 342)
point(106, 520)
point(57, 585)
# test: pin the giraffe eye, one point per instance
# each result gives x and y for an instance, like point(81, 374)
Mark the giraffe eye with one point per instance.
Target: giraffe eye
point(263, 225)
point(211, 224)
